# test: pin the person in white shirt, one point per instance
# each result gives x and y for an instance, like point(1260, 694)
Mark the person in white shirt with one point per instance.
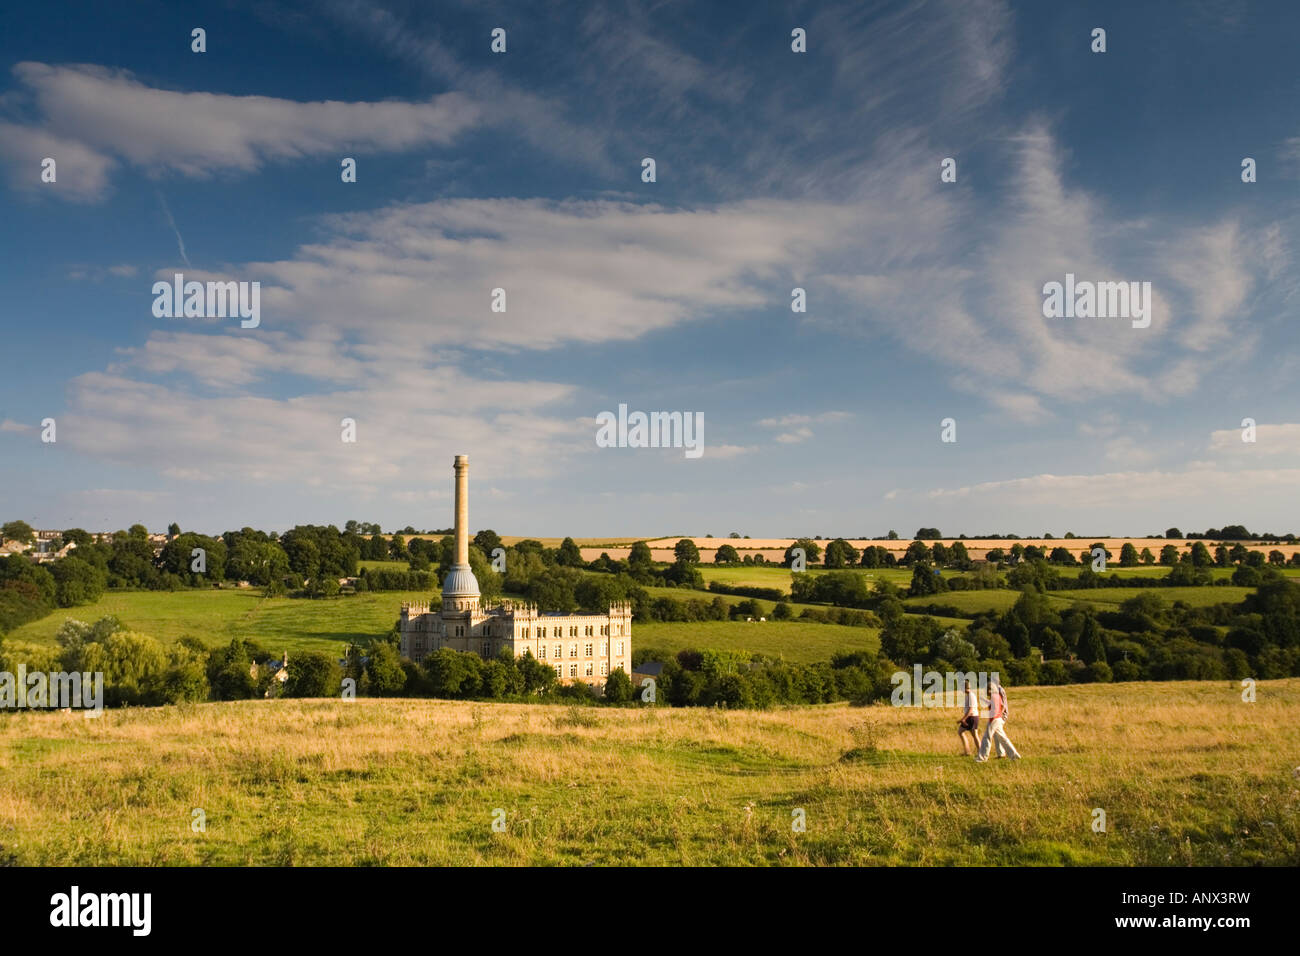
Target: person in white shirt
point(994, 732)
point(969, 725)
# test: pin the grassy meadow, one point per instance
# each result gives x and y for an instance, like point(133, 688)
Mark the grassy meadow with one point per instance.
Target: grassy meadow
point(795, 641)
point(775, 576)
point(1187, 774)
point(217, 617)
point(1196, 597)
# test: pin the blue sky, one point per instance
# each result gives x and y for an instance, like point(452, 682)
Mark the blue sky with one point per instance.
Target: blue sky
point(774, 170)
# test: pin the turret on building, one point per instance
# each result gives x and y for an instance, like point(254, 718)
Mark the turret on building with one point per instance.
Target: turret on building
point(585, 647)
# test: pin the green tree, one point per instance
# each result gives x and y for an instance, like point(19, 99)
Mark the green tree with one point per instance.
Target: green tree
point(927, 534)
point(841, 554)
point(375, 548)
point(397, 549)
point(325, 586)
point(15, 568)
point(1169, 555)
point(959, 557)
point(452, 674)
point(19, 531)
point(80, 537)
point(926, 580)
point(303, 555)
point(1052, 644)
point(77, 582)
point(538, 678)
point(639, 560)
point(489, 580)
point(384, 668)
point(812, 551)
point(686, 552)
point(618, 688)
point(184, 679)
point(917, 552)
point(486, 541)
point(313, 674)
point(177, 557)
point(1246, 576)
point(1128, 556)
point(133, 666)
point(494, 679)
point(570, 555)
point(229, 671)
point(726, 554)
point(1092, 645)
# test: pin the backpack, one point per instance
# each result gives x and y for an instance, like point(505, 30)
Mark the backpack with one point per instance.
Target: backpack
point(1006, 711)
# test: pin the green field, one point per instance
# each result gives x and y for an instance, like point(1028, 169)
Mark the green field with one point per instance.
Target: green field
point(217, 617)
point(402, 566)
point(775, 576)
point(795, 641)
point(1160, 571)
point(1187, 774)
point(688, 594)
point(971, 602)
point(1196, 597)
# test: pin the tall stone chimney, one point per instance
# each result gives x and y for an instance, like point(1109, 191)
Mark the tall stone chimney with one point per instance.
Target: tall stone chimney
point(460, 588)
point(462, 509)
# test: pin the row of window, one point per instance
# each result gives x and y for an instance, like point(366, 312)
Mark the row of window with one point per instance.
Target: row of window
point(588, 631)
point(588, 669)
point(587, 649)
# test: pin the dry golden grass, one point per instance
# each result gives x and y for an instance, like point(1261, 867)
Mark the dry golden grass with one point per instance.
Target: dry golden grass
point(1187, 773)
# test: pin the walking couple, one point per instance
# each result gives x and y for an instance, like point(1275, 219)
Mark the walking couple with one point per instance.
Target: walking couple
point(994, 732)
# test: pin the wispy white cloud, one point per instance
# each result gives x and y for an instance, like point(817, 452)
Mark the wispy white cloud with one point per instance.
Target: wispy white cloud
point(1269, 441)
point(180, 242)
point(90, 118)
point(1194, 488)
point(574, 271)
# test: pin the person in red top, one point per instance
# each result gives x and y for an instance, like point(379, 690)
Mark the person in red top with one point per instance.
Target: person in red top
point(995, 732)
